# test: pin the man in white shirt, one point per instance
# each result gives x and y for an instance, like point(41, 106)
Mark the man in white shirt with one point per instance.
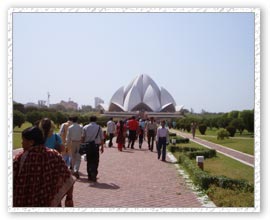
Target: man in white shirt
point(73, 139)
point(92, 134)
point(111, 128)
point(162, 140)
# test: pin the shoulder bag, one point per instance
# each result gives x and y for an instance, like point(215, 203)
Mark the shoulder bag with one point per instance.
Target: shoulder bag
point(84, 147)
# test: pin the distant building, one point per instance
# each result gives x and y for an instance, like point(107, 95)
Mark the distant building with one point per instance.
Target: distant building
point(98, 101)
point(30, 104)
point(41, 103)
point(69, 105)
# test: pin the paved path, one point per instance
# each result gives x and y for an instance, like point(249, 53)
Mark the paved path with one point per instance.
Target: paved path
point(237, 155)
point(134, 178)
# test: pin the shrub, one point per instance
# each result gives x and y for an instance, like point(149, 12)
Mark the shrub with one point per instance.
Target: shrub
point(230, 198)
point(222, 133)
point(202, 128)
point(231, 130)
point(172, 134)
point(206, 153)
point(204, 180)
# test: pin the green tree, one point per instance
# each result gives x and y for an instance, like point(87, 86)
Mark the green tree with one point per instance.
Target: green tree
point(248, 118)
point(18, 118)
point(34, 116)
point(202, 128)
point(19, 107)
point(238, 123)
point(60, 118)
point(233, 114)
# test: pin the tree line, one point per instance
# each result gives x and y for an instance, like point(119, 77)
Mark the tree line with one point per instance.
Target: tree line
point(23, 114)
point(232, 121)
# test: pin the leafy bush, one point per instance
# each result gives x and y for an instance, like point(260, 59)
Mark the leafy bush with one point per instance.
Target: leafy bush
point(202, 128)
point(179, 140)
point(206, 153)
point(222, 133)
point(230, 198)
point(172, 134)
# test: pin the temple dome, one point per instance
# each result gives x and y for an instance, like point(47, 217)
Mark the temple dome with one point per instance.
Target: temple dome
point(142, 94)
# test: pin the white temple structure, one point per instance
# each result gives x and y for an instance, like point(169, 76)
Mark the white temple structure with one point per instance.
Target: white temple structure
point(142, 95)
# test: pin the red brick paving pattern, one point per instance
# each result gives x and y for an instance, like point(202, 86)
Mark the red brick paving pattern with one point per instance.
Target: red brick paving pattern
point(133, 178)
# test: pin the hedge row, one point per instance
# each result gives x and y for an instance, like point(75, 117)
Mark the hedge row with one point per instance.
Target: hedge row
point(179, 140)
point(204, 180)
point(192, 152)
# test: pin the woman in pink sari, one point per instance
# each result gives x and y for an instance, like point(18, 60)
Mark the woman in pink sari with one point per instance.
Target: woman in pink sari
point(40, 175)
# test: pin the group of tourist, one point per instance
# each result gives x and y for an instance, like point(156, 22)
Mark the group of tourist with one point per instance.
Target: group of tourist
point(134, 129)
point(43, 173)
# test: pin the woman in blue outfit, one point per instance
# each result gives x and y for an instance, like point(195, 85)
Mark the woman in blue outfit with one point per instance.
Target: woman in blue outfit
point(52, 140)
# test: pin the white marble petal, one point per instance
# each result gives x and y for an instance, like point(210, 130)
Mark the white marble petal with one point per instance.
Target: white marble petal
point(165, 97)
point(132, 99)
point(151, 99)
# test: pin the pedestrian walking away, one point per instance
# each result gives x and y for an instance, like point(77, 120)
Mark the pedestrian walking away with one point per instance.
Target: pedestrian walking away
point(133, 126)
point(141, 136)
point(93, 135)
point(63, 133)
point(121, 135)
point(111, 129)
point(52, 140)
point(73, 140)
point(151, 129)
point(162, 140)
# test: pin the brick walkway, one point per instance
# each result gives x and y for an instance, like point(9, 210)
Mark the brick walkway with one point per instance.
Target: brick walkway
point(133, 178)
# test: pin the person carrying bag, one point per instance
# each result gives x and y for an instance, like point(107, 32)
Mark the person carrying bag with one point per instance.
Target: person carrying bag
point(87, 146)
point(93, 137)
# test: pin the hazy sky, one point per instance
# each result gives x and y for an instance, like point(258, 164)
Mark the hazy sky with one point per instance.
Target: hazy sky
point(205, 60)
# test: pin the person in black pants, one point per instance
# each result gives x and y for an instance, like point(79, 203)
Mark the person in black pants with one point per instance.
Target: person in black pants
point(92, 134)
point(151, 129)
point(162, 141)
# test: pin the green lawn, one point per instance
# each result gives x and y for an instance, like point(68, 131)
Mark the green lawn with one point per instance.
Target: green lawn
point(17, 136)
point(17, 139)
point(213, 132)
point(226, 166)
point(245, 145)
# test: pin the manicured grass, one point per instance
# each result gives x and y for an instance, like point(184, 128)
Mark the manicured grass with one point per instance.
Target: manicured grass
point(222, 165)
point(245, 145)
point(213, 132)
point(17, 135)
point(226, 166)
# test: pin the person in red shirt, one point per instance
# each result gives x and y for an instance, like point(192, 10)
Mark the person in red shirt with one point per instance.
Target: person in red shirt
point(133, 126)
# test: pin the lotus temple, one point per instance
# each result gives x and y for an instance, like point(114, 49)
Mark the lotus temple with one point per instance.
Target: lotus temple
point(143, 97)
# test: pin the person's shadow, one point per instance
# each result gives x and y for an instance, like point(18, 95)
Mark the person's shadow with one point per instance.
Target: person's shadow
point(98, 184)
point(104, 185)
